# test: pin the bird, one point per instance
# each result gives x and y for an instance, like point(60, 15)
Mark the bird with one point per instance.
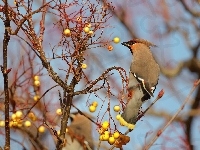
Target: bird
point(79, 135)
point(143, 77)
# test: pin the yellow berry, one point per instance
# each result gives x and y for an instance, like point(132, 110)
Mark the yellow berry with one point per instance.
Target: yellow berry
point(107, 132)
point(41, 129)
point(111, 140)
point(19, 114)
point(67, 32)
point(59, 112)
point(36, 97)
point(88, 25)
point(124, 123)
point(36, 83)
point(131, 126)
point(116, 40)
point(95, 104)
point(116, 108)
point(36, 78)
point(19, 125)
point(86, 29)
point(105, 125)
point(27, 123)
point(105, 137)
point(92, 108)
point(116, 135)
point(32, 116)
point(110, 47)
point(101, 137)
point(90, 32)
point(2, 123)
point(15, 123)
point(84, 66)
point(118, 117)
point(58, 132)
point(11, 123)
point(67, 130)
point(13, 116)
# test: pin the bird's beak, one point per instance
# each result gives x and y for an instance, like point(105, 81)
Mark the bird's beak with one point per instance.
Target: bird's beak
point(126, 44)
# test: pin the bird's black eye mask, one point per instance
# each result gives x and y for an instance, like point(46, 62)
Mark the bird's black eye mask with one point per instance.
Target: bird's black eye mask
point(129, 44)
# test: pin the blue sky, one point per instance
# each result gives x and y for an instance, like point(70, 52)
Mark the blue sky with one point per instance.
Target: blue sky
point(170, 50)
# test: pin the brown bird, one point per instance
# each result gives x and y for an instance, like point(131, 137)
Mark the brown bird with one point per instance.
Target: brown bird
point(143, 77)
point(79, 135)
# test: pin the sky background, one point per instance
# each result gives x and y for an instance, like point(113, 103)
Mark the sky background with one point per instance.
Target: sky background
point(170, 51)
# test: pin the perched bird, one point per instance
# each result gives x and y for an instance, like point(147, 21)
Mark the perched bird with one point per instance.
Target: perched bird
point(143, 77)
point(79, 135)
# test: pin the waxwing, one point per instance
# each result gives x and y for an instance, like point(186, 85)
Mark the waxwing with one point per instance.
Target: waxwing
point(79, 135)
point(143, 77)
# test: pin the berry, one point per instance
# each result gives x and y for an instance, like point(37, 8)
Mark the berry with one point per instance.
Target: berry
point(90, 32)
point(36, 83)
point(13, 116)
point(19, 114)
point(36, 97)
point(2, 123)
point(116, 135)
point(95, 104)
point(36, 78)
point(41, 129)
point(67, 32)
point(105, 125)
point(101, 137)
point(116, 108)
point(59, 112)
point(86, 30)
point(131, 126)
point(116, 40)
point(111, 140)
point(27, 123)
point(110, 47)
point(88, 25)
point(92, 108)
point(84, 66)
point(105, 137)
point(118, 117)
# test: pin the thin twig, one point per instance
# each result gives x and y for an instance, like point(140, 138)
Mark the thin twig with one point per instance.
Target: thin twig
point(39, 99)
point(175, 115)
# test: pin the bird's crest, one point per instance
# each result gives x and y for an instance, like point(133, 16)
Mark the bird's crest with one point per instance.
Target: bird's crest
point(147, 43)
point(134, 41)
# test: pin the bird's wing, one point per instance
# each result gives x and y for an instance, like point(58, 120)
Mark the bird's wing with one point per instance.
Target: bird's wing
point(134, 100)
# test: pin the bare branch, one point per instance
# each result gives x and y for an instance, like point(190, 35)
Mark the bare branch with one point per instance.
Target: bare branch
point(175, 115)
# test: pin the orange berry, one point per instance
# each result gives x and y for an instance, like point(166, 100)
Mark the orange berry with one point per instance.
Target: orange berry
point(110, 47)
